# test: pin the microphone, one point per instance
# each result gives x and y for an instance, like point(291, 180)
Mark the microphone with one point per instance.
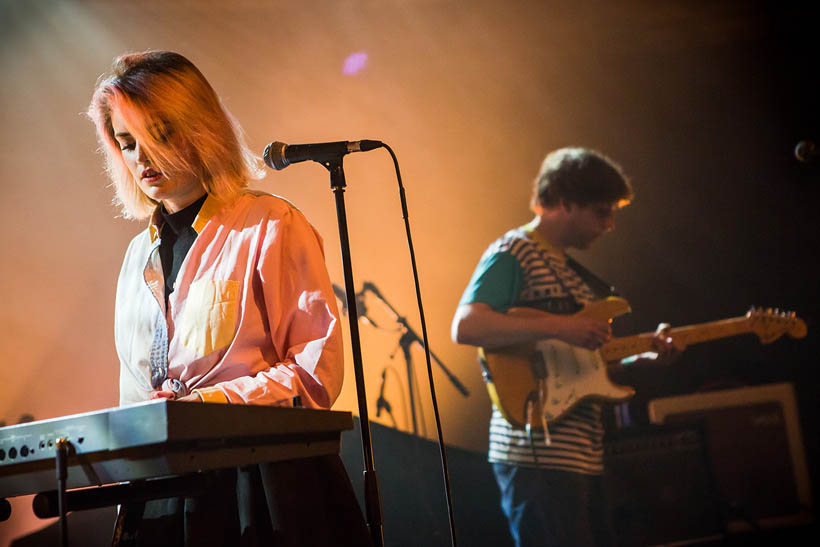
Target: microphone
point(381, 402)
point(806, 151)
point(361, 308)
point(341, 295)
point(279, 155)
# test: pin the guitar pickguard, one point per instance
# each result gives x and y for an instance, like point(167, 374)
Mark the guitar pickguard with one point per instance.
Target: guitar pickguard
point(575, 373)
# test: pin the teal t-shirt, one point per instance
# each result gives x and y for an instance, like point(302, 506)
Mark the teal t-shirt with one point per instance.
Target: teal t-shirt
point(496, 281)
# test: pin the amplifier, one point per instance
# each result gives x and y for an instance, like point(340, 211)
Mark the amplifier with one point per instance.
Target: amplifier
point(754, 446)
point(658, 485)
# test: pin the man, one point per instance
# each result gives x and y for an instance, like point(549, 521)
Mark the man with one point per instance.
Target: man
point(551, 493)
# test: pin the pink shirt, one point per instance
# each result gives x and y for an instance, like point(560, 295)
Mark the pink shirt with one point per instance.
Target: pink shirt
point(252, 319)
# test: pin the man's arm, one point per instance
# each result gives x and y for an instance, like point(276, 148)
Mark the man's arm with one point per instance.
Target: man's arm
point(478, 324)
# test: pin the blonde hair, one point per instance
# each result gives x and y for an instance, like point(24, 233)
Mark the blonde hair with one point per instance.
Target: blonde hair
point(173, 112)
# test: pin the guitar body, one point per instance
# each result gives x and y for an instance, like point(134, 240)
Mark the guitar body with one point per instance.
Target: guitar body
point(534, 384)
point(567, 374)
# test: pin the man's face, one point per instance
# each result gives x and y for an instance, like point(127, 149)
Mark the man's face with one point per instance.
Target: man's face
point(585, 224)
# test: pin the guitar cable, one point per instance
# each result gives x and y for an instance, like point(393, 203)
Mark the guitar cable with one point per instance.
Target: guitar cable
point(528, 426)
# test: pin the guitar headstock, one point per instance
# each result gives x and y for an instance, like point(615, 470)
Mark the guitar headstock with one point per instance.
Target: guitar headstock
point(770, 324)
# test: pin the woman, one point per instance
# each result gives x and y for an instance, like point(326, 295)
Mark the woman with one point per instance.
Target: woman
point(225, 296)
point(240, 292)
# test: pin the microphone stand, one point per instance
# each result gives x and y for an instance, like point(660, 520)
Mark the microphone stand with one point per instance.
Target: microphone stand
point(382, 403)
point(405, 342)
point(371, 486)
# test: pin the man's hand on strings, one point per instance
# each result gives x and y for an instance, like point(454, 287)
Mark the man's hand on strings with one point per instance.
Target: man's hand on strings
point(668, 348)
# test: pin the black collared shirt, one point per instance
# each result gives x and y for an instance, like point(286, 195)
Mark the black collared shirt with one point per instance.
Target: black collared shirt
point(176, 237)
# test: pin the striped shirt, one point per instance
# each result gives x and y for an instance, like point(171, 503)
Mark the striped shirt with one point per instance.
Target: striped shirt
point(521, 270)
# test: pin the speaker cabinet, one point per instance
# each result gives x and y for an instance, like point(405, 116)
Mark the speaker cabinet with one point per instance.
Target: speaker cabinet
point(659, 487)
point(755, 450)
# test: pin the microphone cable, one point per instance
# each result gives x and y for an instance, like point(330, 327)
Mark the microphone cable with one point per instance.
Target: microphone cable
point(444, 468)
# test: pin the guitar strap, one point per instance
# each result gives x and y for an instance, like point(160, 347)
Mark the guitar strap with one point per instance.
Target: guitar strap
point(601, 288)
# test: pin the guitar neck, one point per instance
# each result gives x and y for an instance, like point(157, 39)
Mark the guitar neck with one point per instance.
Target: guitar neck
point(619, 348)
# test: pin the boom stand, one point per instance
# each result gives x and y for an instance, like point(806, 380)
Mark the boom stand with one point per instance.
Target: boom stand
point(408, 338)
point(371, 486)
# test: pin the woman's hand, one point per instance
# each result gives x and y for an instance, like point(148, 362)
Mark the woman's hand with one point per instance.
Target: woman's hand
point(191, 397)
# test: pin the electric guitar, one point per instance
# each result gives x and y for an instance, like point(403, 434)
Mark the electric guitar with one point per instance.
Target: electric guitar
point(533, 384)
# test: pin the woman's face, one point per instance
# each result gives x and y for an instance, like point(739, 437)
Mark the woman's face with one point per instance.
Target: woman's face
point(175, 190)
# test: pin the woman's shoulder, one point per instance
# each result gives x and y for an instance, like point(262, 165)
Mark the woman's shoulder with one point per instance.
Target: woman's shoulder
point(138, 249)
point(264, 204)
point(265, 200)
point(141, 240)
